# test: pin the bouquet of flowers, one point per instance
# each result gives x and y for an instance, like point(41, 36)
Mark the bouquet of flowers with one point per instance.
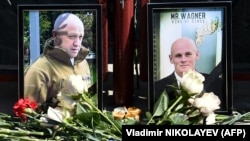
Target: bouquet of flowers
point(75, 115)
point(192, 106)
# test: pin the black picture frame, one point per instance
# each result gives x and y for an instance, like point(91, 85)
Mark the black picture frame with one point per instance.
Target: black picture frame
point(164, 26)
point(92, 39)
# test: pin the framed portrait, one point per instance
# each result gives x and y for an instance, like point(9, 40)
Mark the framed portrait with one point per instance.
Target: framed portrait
point(208, 24)
point(35, 25)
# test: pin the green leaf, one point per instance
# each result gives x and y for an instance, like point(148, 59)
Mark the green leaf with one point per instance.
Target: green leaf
point(148, 115)
point(89, 118)
point(109, 115)
point(178, 119)
point(194, 113)
point(179, 107)
point(160, 107)
point(161, 104)
point(81, 108)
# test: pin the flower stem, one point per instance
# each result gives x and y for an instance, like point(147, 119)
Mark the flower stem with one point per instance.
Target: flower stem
point(22, 138)
point(175, 103)
point(84, 130)
point(101, 113)
point(170, 109)
point(21, 132)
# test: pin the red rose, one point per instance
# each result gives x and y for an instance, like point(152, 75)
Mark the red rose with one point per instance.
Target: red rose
point(21, 105)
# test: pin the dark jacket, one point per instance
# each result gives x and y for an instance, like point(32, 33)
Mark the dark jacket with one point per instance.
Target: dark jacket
point(213, 83)
point(164, 84)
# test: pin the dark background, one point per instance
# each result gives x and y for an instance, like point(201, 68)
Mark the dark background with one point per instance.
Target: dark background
point(9, 48)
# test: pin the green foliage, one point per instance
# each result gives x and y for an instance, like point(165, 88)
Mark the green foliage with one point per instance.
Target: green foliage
point(89, 123)
point(179, 112)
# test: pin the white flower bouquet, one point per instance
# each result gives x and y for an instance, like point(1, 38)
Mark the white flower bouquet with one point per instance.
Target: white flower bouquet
point(193, 106)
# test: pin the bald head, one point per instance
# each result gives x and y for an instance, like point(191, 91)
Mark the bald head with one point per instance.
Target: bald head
point(67, 24)
point(66, 19)
point(183, 42)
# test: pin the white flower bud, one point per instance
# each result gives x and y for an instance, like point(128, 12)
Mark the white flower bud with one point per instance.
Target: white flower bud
point(192, 82)
point(208, 103)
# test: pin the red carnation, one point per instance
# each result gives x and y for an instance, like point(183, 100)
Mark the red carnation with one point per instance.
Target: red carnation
point(22, 106)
